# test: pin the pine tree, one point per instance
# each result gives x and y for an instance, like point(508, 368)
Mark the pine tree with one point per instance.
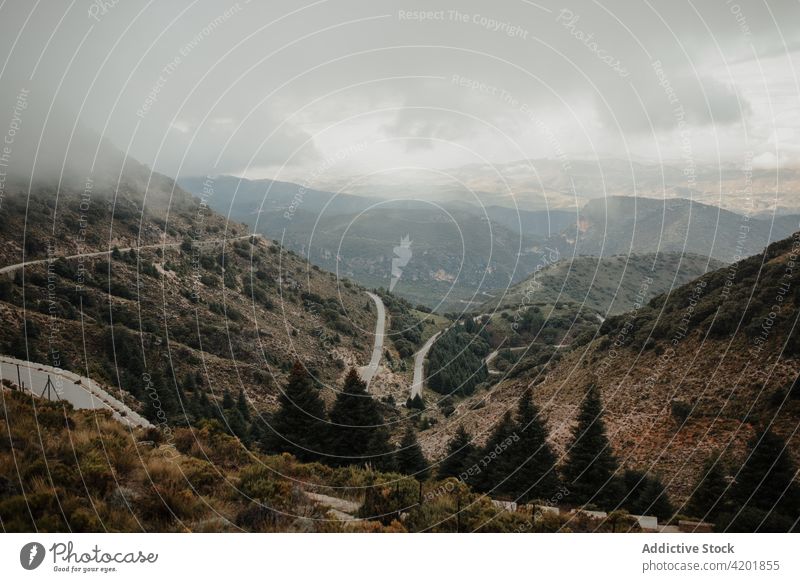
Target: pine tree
point(241, 405)
point(709, 497)
point(590, 467)
point(460, 456)
point(646, 495)
point(359, 434)
point(532, 456)
point(766, 480)
point(189, 383)
point(409, 458)
point(227, 399)
point(161, 402)
point(497, 460)
point(299, 426)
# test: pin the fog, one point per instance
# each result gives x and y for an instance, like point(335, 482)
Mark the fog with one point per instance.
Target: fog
point(279, 90)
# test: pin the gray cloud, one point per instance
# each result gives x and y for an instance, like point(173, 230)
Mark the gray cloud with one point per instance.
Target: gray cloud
point(241, 87)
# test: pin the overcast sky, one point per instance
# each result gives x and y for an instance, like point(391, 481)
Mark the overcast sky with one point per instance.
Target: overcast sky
point(289, 89)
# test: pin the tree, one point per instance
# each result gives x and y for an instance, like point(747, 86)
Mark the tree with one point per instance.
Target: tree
point(161, 402)
point(227, 399)
point(708, 499)
point(241, 405)
point(535, 462)
point(415, 402)
point(409, 458)
point(497, 463)
point(766, 480)
point(590, 467)
point(646, 495)
point(299, 426)
point(357, 426)
point(460, 456)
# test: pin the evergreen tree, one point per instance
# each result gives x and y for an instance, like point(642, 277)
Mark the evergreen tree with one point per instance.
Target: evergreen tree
point(161, 402)
point(237, 424)
point(357, 426)
point(409, 458)
point(241, 406)
point(497, 460)
point(590, 467)
point(189, 383)
point(460, 456)
point(646, 495)
point(227, 400)
point(709, 499)
point(532, 456)
point(766, 480)
point(298, 426)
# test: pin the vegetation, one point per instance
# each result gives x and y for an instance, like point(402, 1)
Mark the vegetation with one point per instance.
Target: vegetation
point(456, 361)
point(409, 458)
point(590, 468)
point(720, 308)
point(461, 455)
point(82, 471)
point(535, 476)
point(405, 328)
point(765, 496)
point(358, 433)
point(300, 426)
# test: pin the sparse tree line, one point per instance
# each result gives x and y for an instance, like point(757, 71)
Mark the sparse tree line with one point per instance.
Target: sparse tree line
point(517, 463)
point(353, 432)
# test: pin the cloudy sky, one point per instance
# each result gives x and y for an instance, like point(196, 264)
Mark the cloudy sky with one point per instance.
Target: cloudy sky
point(291, 89)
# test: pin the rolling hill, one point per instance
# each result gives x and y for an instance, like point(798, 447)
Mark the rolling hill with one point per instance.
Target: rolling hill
point(620, 225)
point(692, 374)
point(141, 286)
point(608, 285)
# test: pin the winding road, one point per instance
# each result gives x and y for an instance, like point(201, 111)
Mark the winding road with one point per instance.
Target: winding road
point(367, 372)
point(12, 268)
point(419, 365)
point(81, 392)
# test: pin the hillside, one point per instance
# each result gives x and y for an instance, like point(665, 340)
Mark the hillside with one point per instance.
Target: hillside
point(620, 225)
point(198, 306)
point(245, 199)
point(691, 374)
point(459, 249)
point(451, 255)
point(54, 477)
point(607, 285)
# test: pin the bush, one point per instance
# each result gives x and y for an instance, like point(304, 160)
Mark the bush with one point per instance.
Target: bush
point(680, 410)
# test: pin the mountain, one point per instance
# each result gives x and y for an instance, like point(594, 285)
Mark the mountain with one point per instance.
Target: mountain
point(606, 285)
point(457, 248)
point(132, 279)
point(451, 254)
point(620, 225)
point(695, 373)
point(453, 251)
point(569, 183)
point(245, 199)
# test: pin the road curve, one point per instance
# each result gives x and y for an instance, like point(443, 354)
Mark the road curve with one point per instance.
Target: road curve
point(419, 365)
point(12, 268)
point(81, 392)
point(367, 372)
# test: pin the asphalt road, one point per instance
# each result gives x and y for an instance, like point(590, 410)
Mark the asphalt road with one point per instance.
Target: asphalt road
point(368, 372)
point(81, 392)
point(419, 365)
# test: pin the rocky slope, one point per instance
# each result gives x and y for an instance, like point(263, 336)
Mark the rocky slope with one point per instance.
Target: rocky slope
point(620, 225)
point(198, 300)
point(694, 372)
